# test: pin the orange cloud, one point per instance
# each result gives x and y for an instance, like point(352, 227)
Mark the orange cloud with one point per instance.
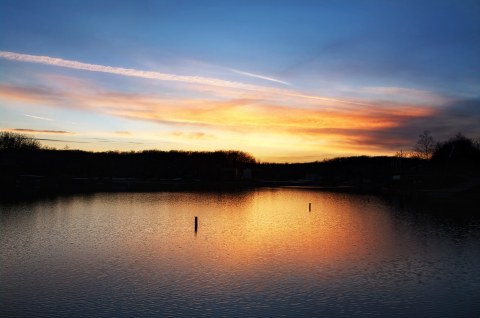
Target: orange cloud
point(192, 135)
point(27, 94)
point(264, 127)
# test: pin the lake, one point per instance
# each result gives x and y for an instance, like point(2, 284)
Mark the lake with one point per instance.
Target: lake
point(258, 253)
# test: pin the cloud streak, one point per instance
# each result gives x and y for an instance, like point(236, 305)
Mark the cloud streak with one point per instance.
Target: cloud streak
point(263, 125)
point(53, 61)
point(64, 141)
point(266, 128)
point(38, 117)
point(122, 132)
point(40, 131)
point(267, 78)
point(247, 120)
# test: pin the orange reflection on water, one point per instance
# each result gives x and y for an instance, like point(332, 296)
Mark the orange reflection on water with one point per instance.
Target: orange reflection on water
point(269, 229)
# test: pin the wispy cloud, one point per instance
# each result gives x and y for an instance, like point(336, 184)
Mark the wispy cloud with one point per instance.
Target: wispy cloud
point(40, 131)
point(259, 124)
point(404, 94)
point(250, 119)
point(267, 78)
point(63, 141)
point(192, 135)
point(199, 80)
point(28, 94)
point(38, 117)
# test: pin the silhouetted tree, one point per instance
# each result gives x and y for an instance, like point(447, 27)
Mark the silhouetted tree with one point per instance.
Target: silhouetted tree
point(424, 146)
point(458, 149)
point(10, 140)
point(476, 142)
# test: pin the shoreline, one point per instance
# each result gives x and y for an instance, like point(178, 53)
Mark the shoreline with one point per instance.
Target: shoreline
point(45, 187)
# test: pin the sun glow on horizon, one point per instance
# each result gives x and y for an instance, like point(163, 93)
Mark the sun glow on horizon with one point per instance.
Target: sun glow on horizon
point(310, 82)
point(270, 123)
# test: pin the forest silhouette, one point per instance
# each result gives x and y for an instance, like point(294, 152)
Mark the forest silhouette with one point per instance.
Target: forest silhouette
point(450, 167)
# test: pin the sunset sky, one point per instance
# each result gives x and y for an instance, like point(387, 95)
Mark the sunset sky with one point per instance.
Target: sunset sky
point(287, 81)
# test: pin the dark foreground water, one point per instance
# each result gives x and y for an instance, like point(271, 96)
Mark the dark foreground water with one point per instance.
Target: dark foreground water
point(256, 254)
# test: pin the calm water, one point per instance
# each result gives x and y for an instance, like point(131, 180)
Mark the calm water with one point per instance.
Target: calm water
point(256, 254)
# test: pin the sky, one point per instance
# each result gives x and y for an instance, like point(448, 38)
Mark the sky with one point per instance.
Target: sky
point(286, 81)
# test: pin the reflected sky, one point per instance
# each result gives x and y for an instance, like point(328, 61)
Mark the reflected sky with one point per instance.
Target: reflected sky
point(258, 253)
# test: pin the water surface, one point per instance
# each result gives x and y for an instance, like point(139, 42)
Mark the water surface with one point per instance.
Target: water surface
point(256, 254)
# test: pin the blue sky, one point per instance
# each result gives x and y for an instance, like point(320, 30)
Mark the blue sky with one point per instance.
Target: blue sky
point(283, 80)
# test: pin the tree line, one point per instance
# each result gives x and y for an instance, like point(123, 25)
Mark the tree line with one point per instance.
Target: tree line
point(456, 149)
point(428, 163)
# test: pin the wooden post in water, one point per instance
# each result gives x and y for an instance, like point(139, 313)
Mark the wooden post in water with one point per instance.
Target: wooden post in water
point(309, 207)
point(196, 224)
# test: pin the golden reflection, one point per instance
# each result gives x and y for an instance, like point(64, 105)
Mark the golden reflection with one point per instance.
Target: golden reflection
point(266, 229)
point(279, 228)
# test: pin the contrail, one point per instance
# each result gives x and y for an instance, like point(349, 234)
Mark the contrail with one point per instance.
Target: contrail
point(53, 61)
point(259, 76)
point(38, 117)
point(121, 71)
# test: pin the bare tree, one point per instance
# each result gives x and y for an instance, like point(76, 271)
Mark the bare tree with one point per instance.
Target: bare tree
point(424, 146)
point(10, 140)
